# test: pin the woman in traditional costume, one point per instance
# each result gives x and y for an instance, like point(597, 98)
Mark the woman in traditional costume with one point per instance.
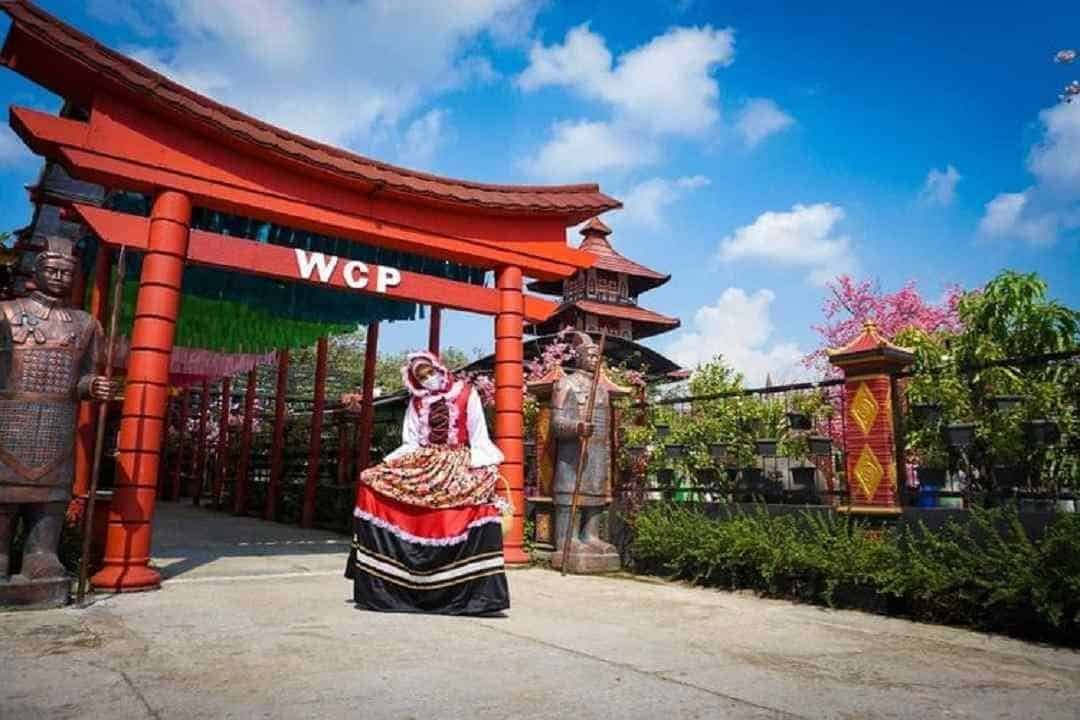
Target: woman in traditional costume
point(427, 524)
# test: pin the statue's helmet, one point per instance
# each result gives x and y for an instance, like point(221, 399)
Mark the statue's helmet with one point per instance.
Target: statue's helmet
point(54, 266)
point(586, 352)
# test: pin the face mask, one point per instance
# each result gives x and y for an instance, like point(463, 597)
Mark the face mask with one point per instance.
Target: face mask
point(433, 381)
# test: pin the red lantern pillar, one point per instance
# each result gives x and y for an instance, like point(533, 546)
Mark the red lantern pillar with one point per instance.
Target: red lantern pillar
point(87, 421)
point(142, 424)
point(367, 408)
point(181, 442)
point(869, 363)
point(277, 451)
point(204, 419)
point(223, 443)
point(307, 517)
point(509, 402)
point(243, 477)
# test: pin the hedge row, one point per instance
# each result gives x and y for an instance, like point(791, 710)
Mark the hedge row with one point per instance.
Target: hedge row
point(985, 573)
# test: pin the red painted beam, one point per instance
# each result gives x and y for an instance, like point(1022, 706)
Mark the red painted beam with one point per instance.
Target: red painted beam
point(435, 330)
point(110, 152)
point(281, 263)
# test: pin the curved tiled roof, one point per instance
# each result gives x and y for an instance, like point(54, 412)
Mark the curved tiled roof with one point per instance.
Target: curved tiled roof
point(595, 241)
point(646, 322)
point(117, 72)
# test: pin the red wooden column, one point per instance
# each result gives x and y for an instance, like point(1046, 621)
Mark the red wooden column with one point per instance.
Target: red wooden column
point(223, 443)
point(87, 422)
point(243, 476)
point(200, 461)
point(868, 363)
point(509, 387)
point(435, 330)
point(367, 412)
point(277, 451)
point(181, 444)
point(142, 423)
point(308, 514)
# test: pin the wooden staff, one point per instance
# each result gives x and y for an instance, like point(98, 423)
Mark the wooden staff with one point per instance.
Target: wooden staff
point(99, 441)
point(583, 454)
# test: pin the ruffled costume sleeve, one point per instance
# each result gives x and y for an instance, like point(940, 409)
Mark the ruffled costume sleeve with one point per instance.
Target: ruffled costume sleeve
point(483, 452)
point(410, 434)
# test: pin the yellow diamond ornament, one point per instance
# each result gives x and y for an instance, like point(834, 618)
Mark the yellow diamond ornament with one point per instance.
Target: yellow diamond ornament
point(864, 408)
point(868, 472)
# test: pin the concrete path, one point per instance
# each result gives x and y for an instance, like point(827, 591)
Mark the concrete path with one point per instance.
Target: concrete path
point(255, 622)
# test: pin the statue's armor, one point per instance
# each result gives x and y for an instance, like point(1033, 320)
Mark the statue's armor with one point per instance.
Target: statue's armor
point(570, 397)
point(48, 354)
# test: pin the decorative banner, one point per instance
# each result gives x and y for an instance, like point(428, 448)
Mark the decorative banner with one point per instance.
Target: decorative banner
point(189, 366)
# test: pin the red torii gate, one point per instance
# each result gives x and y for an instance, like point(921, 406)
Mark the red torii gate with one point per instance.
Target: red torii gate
point(146, 133)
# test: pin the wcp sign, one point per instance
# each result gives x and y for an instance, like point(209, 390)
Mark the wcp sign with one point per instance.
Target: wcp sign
point(354, 274)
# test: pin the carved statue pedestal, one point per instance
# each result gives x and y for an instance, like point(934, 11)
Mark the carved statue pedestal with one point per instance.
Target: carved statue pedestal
point(587, 563)
point(20, 593)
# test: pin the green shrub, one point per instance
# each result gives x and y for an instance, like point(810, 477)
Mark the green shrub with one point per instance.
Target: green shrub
point(985, 574)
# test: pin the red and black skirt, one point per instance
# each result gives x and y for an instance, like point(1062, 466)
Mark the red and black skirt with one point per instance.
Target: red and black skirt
point(407, 558)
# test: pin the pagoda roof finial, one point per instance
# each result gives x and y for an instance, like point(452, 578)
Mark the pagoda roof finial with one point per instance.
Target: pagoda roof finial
point(595, 227)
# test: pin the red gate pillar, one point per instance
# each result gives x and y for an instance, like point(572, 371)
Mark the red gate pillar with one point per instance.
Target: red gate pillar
point(181, 444)
point(127, 544)
point(307, 516)
point(223, 443)
point(87, 423)
point(277, 468)
point(869, 363)
point(509, 402)
point(243, 476)
point(200, 472)
point(367, 407)
point(435, 330)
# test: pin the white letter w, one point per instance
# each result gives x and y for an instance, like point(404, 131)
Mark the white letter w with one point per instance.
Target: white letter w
point(307, 264)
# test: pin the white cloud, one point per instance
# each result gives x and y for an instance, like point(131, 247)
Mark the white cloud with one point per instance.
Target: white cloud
point(663, 86)
point(579, 149)
point(422, 139)
point(803, 237)
point(739, 328)
point(761, 118)
point(940, 186)
point(645, 203)
point(347, 73)
point(1040, 214)
point(12, 150)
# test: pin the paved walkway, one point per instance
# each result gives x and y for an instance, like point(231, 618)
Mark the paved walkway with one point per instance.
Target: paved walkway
point(254, 622)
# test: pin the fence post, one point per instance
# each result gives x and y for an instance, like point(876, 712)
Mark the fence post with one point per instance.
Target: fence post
point(869, 363)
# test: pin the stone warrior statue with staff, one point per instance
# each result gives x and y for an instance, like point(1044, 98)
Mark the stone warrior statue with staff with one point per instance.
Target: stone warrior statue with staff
point(48, 363)
point(588, 553)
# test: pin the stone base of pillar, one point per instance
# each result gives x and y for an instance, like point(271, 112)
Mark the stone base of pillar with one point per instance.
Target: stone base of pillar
point(126, 579)
point(19, 592)
point(587, 563)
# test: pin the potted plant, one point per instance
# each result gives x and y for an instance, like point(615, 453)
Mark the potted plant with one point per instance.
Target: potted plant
point(1004, 403)
point(675, 451)
point(798, 420)
point(766, 447)
point(926, 413)
point(1042, 432)
point(718, 451)
point(820, 446)
point(960, 435)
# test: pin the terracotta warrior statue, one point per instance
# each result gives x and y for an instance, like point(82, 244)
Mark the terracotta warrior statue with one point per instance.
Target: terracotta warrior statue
point(570, 395)
point(48, 357)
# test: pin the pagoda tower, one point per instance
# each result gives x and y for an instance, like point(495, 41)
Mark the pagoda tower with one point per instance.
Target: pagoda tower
point(605, 297)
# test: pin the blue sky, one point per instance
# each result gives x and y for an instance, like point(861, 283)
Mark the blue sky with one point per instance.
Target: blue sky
point(760, 147)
